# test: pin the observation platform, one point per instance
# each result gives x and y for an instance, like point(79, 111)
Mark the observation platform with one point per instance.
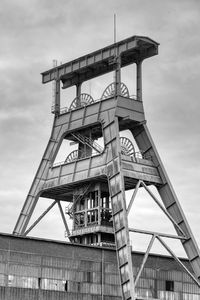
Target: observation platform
point(91, 229)
point(64, 178)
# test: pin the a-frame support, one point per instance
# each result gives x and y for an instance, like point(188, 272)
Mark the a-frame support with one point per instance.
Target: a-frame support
point(169, 198)
point(157, 235)
point(113, 113)
point(120, 220)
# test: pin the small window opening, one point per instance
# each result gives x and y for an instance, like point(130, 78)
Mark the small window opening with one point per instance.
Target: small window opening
point(78, 287)
point(39, 283)
point(169, 285)
point(88, 277)
point(10, 279)
point(66, 286)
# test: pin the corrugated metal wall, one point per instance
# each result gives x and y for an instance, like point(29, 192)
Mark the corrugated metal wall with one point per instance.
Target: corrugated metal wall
point(41, 270)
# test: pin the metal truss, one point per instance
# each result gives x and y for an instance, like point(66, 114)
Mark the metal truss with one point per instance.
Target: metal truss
point(158, 235)
point(44, 213)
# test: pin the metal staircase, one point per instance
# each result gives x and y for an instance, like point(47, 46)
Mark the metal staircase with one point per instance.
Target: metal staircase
point(88, 141)
point(69, 210)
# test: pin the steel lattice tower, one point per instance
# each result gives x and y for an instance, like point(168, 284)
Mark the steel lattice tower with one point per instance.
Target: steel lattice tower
point(94, 179)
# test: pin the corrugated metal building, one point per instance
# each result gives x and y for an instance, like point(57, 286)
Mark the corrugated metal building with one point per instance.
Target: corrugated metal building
point(40, 269)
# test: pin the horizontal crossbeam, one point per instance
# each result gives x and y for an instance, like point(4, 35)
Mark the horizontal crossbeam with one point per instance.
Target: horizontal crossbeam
point(172, 236)
point(102, 61)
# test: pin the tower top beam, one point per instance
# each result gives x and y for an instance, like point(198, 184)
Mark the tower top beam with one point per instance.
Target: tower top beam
point(102, 61)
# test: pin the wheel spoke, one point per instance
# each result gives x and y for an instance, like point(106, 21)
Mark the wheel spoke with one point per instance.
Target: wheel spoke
point(110, 91)
point(72, 156)
point(127, 147)
point(83, 100)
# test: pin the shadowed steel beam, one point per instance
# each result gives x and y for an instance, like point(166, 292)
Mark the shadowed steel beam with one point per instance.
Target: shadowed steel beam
point(158, 234)
point(145, 259)
point(63, 218)
point(133, 196)
point(39, 219)
point(178, 260)
point(163, 209)
point(139, 80)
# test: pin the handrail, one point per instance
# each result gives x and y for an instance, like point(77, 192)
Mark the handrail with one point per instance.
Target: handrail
point(66, 109)
point(137, 154)
point(65, 163)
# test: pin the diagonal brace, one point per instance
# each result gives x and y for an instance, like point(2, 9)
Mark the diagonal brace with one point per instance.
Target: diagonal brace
point(162, 208)
point(63, 218)
point(39, 219)
point(145, 259)
point(133, 196)
point(178, 260)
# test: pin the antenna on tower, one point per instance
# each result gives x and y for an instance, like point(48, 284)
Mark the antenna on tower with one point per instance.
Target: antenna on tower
point(115, 34)
point(115, 40)
point(115, 28)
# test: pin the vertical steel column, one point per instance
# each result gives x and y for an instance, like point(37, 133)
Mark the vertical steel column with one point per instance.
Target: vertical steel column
point(139, 80)
point(78, 94)
point(118, 198)
point(118, 201)
point(118, 76)
point(57, 93)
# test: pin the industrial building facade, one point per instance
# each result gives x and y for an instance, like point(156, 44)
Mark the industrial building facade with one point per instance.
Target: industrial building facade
point(40, 269)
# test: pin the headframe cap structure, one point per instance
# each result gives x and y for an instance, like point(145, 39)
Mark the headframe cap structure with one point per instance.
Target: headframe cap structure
point(131, 50)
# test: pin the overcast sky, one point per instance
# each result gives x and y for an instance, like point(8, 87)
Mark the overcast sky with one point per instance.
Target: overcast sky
point(35, 32)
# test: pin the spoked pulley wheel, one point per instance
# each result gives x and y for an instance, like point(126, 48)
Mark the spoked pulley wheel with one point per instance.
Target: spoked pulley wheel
point(127, 147)
point(72, 156)
point(110, 91)
point(82, 100)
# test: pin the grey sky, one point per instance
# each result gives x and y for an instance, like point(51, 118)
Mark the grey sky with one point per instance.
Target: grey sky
point(33, 33)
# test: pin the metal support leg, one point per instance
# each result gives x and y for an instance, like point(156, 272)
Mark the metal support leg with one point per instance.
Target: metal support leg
point(168, 196)
point(139, 80)
point(63, 218)
point(120, 221)
point(57, 97)
point(78, 94)
point(118, 76)
point(38, 181)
